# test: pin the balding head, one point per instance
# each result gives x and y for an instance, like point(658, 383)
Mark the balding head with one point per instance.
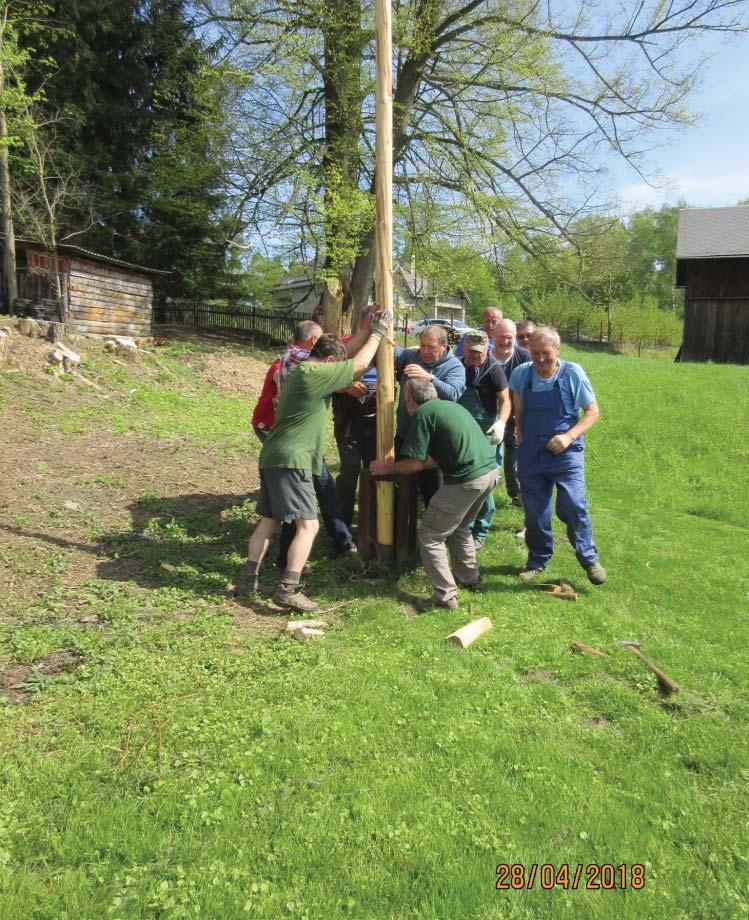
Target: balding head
point(504, 339)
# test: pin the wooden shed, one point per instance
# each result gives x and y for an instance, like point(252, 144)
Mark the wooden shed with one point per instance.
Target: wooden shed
point(100, 294)
point(712, 265)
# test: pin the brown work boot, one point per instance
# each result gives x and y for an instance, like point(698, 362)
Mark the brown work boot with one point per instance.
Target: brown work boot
point(288, 594)
point(293, 599)
point(247, 583)
point(596, 573)
point(430, 603)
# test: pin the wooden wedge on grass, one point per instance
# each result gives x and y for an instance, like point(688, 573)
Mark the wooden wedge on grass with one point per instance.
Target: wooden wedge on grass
point(469, 633)
point(563, 590)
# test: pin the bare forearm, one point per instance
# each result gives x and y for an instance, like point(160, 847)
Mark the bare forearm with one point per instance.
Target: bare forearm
point(405, 467)
point(586, 422)
point(355, 342)
point(363, 358)
point(504, 406)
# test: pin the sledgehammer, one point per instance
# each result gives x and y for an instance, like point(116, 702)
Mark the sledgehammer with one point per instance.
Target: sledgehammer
point(663, 679)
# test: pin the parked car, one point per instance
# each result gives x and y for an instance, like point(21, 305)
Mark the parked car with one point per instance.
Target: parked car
point(455, 328)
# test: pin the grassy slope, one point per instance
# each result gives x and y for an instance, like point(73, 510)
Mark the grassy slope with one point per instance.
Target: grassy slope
point(380, 772)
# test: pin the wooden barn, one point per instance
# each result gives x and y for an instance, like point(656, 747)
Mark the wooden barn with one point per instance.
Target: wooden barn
point(100, 294)
point(712, 265)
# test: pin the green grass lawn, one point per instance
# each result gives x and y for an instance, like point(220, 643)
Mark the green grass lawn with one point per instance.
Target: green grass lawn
point(191, 767)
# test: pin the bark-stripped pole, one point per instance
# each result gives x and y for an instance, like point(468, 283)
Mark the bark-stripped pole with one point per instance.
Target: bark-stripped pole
point(384, 267)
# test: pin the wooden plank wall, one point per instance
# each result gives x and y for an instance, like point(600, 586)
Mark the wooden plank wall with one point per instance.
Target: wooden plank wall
point(716, 311)
point(109, 301)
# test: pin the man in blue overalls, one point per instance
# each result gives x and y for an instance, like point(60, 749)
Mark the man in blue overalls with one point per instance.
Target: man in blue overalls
point(548, 396)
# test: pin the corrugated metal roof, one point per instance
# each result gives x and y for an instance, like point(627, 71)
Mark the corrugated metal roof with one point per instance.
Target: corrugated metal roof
point(713, 233)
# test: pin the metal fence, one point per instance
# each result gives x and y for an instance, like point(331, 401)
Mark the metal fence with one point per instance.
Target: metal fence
point(276, 325)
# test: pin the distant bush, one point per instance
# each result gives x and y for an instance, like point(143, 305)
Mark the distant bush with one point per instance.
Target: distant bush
point(632, 322)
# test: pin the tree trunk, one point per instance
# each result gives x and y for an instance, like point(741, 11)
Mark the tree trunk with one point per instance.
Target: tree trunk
point(9, 249)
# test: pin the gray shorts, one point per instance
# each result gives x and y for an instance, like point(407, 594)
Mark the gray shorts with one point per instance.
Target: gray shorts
point(287, 495)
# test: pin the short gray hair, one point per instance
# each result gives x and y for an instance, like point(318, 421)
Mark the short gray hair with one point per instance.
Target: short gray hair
point(420, 391)
point(304, 330)
point(434, 332)
point(546, 334)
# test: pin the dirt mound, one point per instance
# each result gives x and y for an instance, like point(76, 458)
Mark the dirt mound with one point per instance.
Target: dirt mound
point(235, 375)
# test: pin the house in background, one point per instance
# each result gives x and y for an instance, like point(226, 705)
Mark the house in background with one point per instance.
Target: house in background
point(414, 297)
point(712, 265)
point(100, 294)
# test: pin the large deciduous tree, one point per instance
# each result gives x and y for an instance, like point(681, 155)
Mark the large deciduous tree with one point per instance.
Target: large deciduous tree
point(499, 110)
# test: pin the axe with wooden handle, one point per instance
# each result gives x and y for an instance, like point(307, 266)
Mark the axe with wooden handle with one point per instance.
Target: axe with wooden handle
point(663, 679)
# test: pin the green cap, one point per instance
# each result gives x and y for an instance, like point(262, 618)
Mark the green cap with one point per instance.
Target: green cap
point(476, 341)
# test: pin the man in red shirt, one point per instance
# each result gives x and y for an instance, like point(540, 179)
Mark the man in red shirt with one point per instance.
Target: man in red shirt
point(265, 410)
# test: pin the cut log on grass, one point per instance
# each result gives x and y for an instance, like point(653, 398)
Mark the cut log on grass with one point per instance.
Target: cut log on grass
point(588, 649)
point(293, 625)
point(469, 633)
point(304, 634)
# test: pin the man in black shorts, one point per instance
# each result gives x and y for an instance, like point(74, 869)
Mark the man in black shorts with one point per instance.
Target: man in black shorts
point(292, 452)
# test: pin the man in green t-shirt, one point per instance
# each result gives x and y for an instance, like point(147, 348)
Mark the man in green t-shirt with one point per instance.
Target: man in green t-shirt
point(292, 452)
point(443, 434)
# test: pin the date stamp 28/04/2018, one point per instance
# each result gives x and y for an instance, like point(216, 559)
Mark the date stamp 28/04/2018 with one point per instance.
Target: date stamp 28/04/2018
point(591, 876)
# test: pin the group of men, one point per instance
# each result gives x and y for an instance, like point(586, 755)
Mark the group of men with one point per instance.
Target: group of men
point(456, 413)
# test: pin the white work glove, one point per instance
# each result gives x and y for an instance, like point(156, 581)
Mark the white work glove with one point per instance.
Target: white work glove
point(496, 433)
point(381, 322)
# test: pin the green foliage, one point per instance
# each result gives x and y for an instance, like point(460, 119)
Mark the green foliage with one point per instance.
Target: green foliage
point(143, 128)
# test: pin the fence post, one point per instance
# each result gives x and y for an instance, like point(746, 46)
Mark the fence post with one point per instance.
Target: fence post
point(600, 335)
point(195, 314)
point(577, 334)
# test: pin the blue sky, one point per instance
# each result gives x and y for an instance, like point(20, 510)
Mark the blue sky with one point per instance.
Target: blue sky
point(708, 163)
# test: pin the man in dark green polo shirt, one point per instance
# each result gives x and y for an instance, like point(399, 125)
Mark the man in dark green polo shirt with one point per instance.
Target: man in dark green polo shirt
point(445, 435)
point(292, 452)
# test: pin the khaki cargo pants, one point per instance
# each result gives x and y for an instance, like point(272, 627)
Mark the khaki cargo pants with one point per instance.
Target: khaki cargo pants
point(446, 525)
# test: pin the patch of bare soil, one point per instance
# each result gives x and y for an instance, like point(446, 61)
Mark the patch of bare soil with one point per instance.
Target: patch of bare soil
point(74, 506)
point(233, 374)
point(600, 723)
point(16, 679)
point(540, 674)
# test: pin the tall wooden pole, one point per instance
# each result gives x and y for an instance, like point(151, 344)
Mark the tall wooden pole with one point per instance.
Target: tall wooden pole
point(384, 267)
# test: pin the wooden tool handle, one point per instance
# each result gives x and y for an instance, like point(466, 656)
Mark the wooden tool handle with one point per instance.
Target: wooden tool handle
point(579, 647)
point(663, 679)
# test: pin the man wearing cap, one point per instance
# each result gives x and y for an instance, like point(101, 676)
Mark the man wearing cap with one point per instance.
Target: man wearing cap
point(487, 398)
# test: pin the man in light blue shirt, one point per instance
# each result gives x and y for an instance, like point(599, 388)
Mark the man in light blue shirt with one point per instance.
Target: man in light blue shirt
point(548, 395)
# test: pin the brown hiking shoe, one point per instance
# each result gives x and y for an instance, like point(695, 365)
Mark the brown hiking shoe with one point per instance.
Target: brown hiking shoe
point(429, 603)
point(294, 600)
point(246, 584)
point(528, 574)
point(596, 573)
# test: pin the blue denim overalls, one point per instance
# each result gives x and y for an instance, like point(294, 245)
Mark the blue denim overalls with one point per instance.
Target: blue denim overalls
point(539, 470)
